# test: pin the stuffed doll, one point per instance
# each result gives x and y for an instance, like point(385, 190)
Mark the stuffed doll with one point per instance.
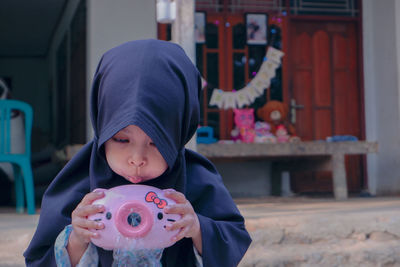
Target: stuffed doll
point(244, 121)
point(263, 133)
point(282, 135)
point(276, 113)
point(235, 135)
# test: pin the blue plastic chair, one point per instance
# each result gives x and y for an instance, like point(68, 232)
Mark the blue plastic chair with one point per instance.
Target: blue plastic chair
point(21, 162)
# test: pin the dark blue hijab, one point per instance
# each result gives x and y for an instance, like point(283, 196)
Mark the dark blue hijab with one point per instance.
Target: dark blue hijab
point(151, 84)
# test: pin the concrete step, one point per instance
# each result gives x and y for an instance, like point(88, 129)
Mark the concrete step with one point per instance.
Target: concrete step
point(309, 232)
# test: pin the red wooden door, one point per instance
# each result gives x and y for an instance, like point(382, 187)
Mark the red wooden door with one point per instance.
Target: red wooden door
point(324, 79)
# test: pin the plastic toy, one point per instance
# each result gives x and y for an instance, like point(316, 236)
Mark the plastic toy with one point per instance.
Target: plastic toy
point(341, 138)
point(282, 135)
point(205, 135)
point(134, 218)
point(263, 133)
point(244, 121)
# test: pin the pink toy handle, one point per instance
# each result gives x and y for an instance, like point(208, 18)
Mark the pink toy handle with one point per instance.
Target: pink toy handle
point(99, 190)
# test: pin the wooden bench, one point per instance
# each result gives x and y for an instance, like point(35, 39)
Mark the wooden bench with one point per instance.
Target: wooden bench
point(314, 155)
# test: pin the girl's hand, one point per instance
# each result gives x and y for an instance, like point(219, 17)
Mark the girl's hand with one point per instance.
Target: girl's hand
point(80, 236)
point(189, 224)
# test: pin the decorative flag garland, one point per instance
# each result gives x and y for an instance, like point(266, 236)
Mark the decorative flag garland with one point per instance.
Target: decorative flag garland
point(256, 87)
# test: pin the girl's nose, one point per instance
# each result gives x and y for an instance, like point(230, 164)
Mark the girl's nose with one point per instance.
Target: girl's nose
point(137, 160)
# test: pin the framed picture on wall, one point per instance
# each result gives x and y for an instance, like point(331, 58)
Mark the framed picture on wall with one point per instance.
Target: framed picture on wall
point(200, 27)
point(256, 28)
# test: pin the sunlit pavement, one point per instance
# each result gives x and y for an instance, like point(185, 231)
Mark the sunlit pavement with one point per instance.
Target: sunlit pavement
point(286, 231)
point(322, 232)
point(16, 231)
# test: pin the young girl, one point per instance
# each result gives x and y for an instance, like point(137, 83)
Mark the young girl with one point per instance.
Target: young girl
point(144, 109)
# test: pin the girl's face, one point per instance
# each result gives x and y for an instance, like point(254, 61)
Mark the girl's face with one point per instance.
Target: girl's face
point(132, 154)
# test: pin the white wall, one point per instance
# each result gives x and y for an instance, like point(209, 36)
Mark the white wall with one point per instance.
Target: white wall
point(111, 23)
point(381, 36)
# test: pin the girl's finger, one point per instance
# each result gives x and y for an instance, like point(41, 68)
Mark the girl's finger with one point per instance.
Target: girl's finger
point(87, 224)
point(86, 210)
point(177, 209)
point(182, 223)
point(90, 197)
point(178, 197)
point(182, 233)
point(85, 234)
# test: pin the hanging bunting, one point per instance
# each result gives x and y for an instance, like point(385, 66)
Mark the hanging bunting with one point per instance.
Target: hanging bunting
point(252, 93)
point(242, 99)
point(229, 100)
point(256, 87)
point(216, 98)
point(274, 55)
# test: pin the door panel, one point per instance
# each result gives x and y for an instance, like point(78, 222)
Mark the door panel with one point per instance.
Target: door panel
point(322, 123)
point(321, 65)
point(323, 78)
point(302, 82)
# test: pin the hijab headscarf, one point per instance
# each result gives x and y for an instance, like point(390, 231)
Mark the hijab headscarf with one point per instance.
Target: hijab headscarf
point(151, 84)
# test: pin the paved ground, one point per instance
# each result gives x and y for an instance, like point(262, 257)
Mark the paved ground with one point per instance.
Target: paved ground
point(323, 232)
point(16, 231)
point(285, 231)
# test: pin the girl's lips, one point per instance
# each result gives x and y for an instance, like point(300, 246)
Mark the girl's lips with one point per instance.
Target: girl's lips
point(135, 179)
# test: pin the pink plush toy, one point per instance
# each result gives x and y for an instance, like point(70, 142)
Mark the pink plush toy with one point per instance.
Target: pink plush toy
point(134, 218)
point(244, 120)
point(282, 135)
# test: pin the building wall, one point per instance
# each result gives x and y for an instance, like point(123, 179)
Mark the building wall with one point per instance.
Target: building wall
point(62, 31)
point(381, 41)
point(249, 178)
point(111, 23)
point(108, 24)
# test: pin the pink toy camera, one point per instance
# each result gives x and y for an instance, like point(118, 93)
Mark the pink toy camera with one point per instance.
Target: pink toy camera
point(134, 218)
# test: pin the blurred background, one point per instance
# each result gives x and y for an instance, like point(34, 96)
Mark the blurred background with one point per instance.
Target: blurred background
point(338, 76)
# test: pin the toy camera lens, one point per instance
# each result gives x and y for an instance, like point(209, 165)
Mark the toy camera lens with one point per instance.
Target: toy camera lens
point(134, 219)
point(160, 216)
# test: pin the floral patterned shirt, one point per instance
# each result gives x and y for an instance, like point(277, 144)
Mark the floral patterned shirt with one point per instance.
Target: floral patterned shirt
point(91, 259)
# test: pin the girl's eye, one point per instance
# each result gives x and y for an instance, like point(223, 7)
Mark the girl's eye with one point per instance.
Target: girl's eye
point(120, 140)
point(152, 144)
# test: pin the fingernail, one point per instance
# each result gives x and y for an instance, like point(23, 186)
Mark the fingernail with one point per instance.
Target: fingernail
point(99, 224)
point(100, 193)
